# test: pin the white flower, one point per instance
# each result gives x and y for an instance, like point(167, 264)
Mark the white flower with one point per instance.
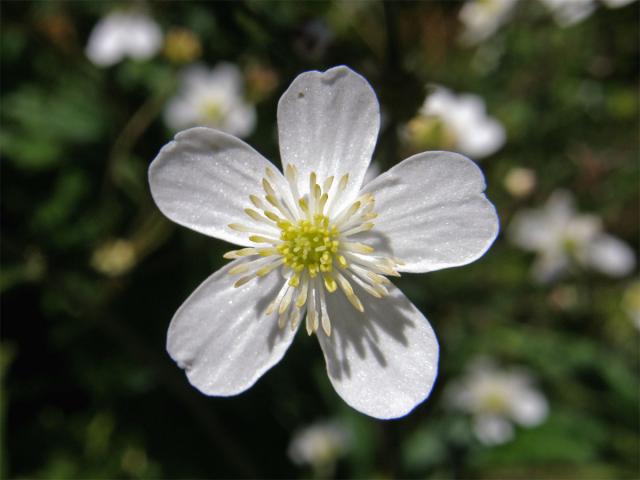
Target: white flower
point(212, 98)
point(481, 18)
point(570, 12)
point(465, 122)
point(560, 235)
point(496, 399)
point(318, 246)
point(319, 444)
point(123, 34)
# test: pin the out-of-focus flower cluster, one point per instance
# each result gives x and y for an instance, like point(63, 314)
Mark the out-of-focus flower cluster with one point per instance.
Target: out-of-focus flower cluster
point(497, 399)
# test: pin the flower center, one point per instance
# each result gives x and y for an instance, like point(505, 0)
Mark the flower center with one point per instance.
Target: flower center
point(308, 237)
point(309, 244)
point(211, 111)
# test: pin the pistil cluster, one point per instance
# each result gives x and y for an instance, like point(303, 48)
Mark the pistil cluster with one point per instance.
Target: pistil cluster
point(309, 237)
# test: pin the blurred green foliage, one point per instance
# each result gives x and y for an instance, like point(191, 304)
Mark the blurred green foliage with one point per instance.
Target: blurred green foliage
point(92, 273)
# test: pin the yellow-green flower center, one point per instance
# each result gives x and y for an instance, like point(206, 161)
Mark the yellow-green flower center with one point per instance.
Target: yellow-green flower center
point(309, 244)
point(211, 111)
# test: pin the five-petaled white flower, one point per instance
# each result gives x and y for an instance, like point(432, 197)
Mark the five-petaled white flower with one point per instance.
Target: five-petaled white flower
point(459, 122)
point(561, 236)
point(320, 444)
point(123, 34)
point(318, 246)
point(496, 398)
point(212, 98)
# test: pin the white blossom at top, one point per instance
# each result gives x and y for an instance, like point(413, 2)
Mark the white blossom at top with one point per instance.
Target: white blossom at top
point(481, 18)
point(319, 444)
point(570, 12)
point(497, 399)
point(561, 236)
point(212, 98)
point(470, 130)
point(318, 246)
point(123, 34)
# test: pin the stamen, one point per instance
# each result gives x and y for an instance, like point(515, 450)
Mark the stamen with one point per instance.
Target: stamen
point(327, 184)
point(348, 291)
point(243, 252)
point(358, 247)
point(326, 321)
point(262, 239)
point(365, 227)
point(312, 246)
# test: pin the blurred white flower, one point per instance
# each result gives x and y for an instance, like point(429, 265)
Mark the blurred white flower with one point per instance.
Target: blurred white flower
point(319, 444)
point(571, 12)
point(459, 122)
point(123, 34)
point(496, 399)
point(481, 18)
point(560, 235)
point(213, 98)
point(520, 182)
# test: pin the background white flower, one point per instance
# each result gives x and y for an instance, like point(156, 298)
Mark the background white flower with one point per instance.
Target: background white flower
point(319, 444)
point(561, 236)
point(481, 18)
point(123, 34)
point(570, 12)
point(311, 232)
point(496, 399)
point(213, 98)
point(459, 122)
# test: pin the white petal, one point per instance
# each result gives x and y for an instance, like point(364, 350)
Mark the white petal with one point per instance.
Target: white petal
point(328, 123)
point(530, 408)
point(203, 180)
point(550, 266)
point(106, 46)
point(492, 430)
point(144, 37)
point(432, 212)
point(485, 137)
point(382, 362)
point(533, 230)
point(610, 256)
point(221, 336)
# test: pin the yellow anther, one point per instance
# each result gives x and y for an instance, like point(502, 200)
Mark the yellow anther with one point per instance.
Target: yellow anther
point(256, 201)
point(343, 181)
point(243, 252)
point(272, 216)
point(260, 239)
point(242, 281)
point(327, 184)
point(268, 188)
point(253, 214)
point(242, 268)
point(294, 281)
point(329, 282)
